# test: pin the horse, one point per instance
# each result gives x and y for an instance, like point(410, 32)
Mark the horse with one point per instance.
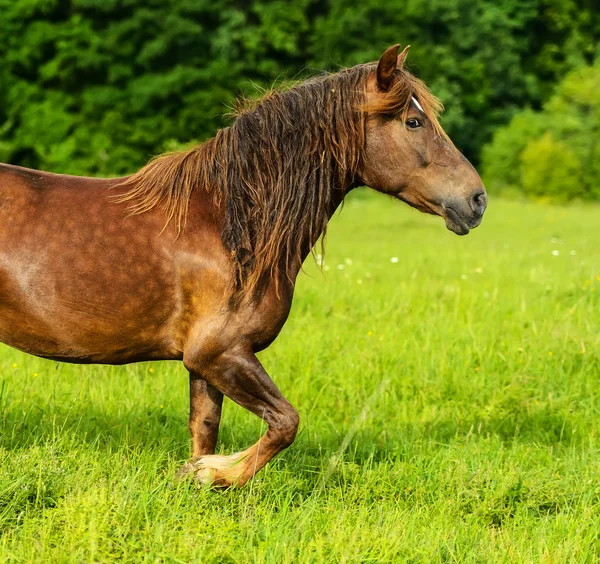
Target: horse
point(194, 257)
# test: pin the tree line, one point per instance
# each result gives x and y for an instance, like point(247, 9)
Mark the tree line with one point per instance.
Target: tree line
point(99, 86)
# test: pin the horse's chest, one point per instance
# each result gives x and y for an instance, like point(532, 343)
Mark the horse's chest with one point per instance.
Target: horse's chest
point(266, 321)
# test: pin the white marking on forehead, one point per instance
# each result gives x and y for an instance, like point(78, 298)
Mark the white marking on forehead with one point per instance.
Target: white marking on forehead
point(416, 103)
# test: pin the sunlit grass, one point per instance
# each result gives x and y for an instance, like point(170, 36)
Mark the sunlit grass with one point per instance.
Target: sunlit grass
point(449, 394)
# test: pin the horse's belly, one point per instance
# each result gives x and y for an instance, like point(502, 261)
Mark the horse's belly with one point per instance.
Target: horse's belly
point(60, 310)
point(81, 336)
point(85, 339)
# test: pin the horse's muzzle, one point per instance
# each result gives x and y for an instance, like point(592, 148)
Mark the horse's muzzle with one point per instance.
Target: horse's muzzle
point(461, 216)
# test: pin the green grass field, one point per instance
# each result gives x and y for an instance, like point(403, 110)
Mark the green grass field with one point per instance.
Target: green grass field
point(449, 403)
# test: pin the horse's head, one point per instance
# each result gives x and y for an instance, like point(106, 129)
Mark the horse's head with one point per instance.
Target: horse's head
point(408, 155)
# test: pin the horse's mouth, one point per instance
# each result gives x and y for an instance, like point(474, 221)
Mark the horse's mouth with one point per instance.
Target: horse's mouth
point(455, 222)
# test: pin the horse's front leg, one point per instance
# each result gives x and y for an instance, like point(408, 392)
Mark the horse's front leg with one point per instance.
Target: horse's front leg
point(238, 374)
point(205, 416)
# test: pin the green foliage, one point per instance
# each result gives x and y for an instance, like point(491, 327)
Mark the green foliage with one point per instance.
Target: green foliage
point(549, 168)
point(555, 152)
point(98, 86)
point(502, 155)
point(448, 403)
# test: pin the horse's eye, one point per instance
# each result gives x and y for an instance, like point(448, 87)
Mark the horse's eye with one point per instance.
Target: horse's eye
point(413, 123)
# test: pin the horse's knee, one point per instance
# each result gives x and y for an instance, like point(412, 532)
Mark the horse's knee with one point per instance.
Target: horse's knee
point(286, 426)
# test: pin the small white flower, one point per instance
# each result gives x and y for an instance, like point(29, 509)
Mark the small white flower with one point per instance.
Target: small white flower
point(348, 261)
point(394, 259)
point(555, 252)
point(340, 267)
point(463, 276)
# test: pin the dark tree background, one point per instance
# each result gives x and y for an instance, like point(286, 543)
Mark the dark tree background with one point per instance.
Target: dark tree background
point(98, 86)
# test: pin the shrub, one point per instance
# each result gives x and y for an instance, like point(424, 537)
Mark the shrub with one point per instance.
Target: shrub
point(555, 152)
point(550, 168)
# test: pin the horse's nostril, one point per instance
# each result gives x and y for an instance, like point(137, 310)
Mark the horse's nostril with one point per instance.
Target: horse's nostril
point(478, 201)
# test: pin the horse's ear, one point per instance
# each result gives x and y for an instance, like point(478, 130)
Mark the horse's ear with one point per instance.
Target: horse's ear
point(386, 67)
point(402, 57)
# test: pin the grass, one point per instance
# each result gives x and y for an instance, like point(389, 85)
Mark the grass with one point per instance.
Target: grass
point(449, 408)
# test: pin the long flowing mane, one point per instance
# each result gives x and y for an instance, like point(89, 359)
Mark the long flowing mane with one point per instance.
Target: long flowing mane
point(275, 170)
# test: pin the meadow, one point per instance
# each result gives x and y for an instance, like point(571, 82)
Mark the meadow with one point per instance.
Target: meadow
point(449, 395)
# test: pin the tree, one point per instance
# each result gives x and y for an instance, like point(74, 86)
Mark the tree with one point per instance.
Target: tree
point(98, 86)
point(555, 152)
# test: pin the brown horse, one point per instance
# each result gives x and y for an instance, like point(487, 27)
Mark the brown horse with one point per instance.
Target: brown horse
point(195, 256)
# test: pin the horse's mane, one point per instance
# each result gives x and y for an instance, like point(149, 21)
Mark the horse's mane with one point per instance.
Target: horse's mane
point(275, 169)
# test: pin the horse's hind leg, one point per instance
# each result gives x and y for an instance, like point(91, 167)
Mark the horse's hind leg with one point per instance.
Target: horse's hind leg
point(205, 415)
point(239, 375)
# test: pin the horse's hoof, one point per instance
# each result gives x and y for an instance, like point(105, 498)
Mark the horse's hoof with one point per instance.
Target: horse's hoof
point(214, 470)
point(186, 471)
point(202, 474)
point(206, 477)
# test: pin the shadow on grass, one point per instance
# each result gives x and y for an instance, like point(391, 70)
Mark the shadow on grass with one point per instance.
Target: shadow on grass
point(31, 425)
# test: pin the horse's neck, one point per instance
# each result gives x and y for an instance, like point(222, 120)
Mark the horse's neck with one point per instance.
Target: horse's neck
point(337, 199)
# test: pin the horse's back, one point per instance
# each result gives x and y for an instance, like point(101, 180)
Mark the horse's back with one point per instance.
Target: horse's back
point(16, 180)
point(25, 192)
point(44, 179)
